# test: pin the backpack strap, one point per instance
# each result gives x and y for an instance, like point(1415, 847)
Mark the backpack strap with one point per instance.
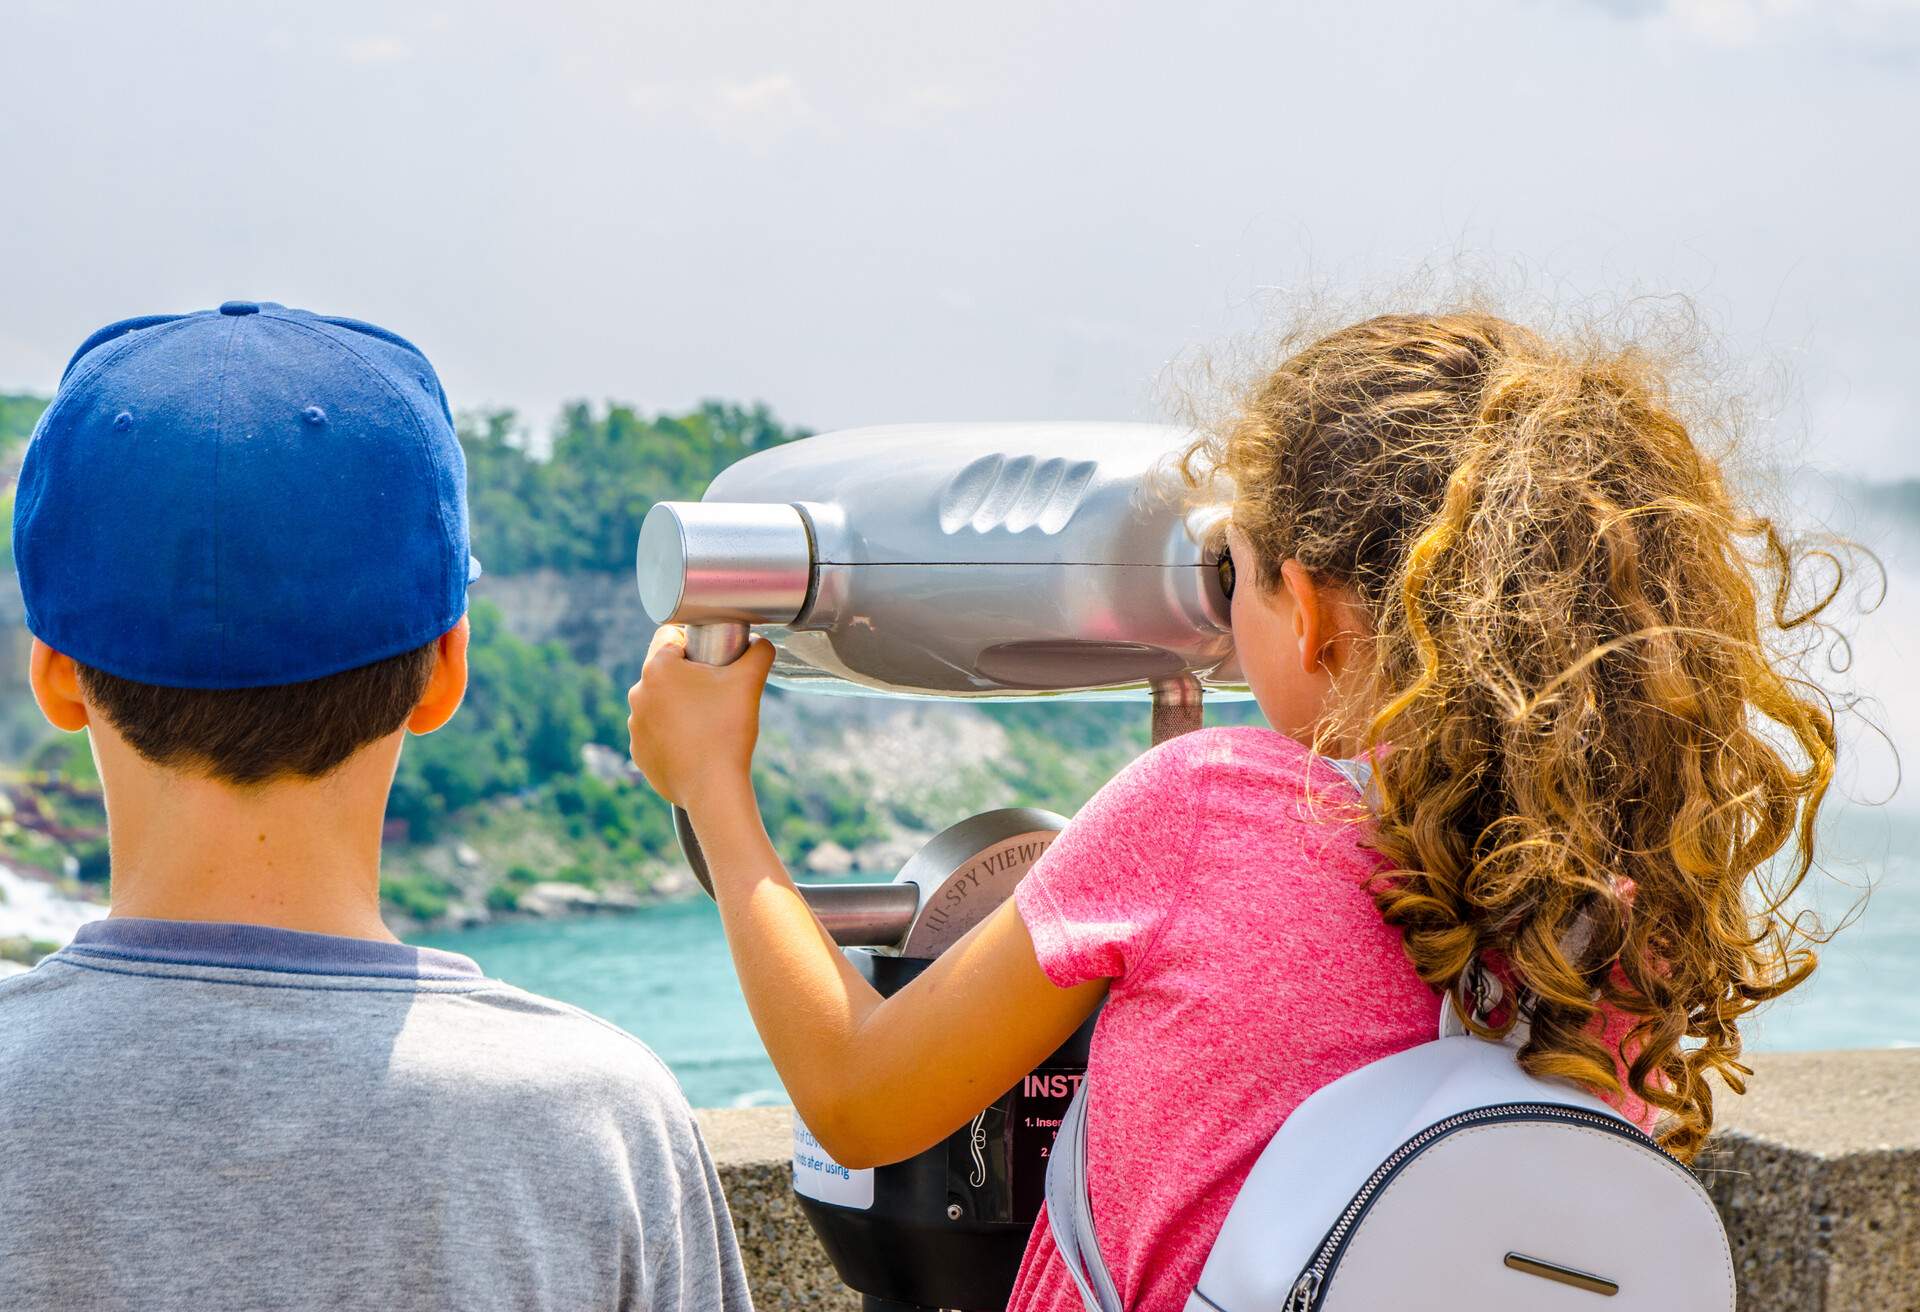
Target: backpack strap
point(1070, 1210)
point(1479, 992)
point(1356, 771)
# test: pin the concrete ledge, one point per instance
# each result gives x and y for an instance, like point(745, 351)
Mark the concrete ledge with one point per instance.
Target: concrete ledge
point(1816, 1171)
point(788, 1271)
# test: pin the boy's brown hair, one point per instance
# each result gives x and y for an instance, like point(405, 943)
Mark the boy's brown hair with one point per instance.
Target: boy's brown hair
point(251, 736)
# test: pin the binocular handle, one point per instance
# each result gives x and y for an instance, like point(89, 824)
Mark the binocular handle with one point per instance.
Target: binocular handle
point(854, 915)
point(710, 644)
point(717, 644)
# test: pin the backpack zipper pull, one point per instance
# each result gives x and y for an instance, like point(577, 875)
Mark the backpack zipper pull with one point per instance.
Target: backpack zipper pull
point(1305, 1290)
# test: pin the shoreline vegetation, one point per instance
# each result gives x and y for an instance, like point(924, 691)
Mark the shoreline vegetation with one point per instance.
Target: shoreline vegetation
point(525, 806)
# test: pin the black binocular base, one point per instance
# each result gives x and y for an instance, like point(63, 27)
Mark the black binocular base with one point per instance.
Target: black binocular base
point(944, 1230)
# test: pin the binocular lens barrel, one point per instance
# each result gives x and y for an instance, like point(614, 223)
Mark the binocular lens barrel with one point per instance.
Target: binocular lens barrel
point(724, 563)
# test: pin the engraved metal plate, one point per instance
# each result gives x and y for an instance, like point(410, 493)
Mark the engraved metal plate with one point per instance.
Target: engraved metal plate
point(968, 869)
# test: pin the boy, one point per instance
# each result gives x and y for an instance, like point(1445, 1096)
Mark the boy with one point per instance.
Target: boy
point(242, 540)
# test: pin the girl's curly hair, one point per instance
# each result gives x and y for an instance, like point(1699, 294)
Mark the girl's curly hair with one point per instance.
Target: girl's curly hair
point(1588, 744)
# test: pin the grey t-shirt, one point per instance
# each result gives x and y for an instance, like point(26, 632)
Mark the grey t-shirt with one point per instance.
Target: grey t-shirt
point(206, 1117)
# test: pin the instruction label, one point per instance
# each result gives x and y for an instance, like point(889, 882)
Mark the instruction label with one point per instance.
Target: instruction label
point(818, 1176)
point(997, 1165)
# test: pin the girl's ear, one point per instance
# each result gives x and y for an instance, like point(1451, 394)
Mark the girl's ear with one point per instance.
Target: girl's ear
point(1327, 619)
point(1309, 616)
point(56, 686)
point(449, 682)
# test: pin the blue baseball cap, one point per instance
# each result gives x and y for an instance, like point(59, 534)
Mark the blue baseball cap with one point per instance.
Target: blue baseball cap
point(242, 497)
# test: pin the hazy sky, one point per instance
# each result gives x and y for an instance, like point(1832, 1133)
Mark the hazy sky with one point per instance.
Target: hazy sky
point(875, 210)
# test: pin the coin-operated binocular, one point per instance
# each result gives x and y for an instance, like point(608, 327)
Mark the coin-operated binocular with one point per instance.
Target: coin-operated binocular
point(988, 561)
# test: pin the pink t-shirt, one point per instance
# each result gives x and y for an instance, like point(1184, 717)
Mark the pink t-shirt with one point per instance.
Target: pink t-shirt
point(1215, 882)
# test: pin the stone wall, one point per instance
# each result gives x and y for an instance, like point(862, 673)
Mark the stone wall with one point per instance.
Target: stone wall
point(785, 1264)
point(1816, 1171)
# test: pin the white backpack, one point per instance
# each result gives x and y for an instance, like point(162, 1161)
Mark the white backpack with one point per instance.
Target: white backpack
point(1440, 1178)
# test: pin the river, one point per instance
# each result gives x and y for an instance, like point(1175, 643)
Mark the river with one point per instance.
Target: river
point(662, 972)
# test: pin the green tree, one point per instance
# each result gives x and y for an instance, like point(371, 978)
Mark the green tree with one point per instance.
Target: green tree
point(580, 507)
point(528, 712)
point(18, 414)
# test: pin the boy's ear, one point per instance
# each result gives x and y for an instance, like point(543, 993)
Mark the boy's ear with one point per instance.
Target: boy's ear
point(56, 686)
point(448, 684)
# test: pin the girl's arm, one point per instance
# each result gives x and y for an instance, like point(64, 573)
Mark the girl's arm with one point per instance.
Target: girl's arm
point(875, 1079)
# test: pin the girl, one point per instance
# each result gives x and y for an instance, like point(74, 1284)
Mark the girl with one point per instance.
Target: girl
point(1500, 572)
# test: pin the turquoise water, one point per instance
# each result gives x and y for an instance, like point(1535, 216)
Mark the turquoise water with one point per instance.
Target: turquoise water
point(662, 973)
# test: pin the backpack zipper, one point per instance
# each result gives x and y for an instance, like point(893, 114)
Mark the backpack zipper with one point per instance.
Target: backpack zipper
point(1306, 1290)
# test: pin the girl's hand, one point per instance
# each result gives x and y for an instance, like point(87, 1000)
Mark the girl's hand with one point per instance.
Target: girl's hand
point(693, 726)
